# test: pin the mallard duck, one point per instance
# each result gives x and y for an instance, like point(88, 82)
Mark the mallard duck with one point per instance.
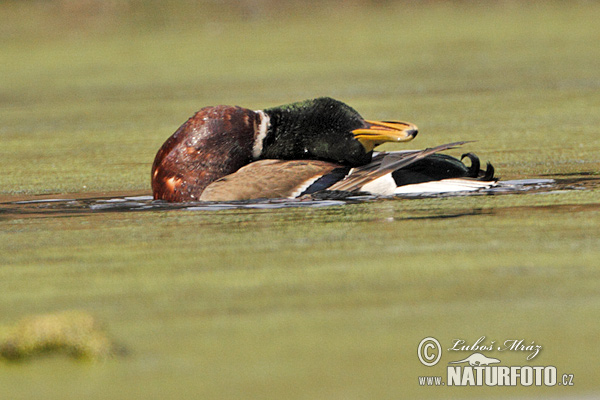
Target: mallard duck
point(225, 153)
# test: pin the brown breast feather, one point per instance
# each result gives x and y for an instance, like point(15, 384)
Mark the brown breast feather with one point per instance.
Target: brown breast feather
point(215, 142)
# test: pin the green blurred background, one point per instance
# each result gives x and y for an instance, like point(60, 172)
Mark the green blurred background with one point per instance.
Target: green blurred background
point(90, 89)
point(300, 303)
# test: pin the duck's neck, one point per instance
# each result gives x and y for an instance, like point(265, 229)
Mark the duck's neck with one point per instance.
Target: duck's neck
point(260, 133)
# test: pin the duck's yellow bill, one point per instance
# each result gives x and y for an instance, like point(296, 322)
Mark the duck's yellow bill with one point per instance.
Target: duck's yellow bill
point(379, 132)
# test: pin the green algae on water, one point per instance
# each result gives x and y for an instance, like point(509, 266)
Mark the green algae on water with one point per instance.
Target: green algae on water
point(74, 333)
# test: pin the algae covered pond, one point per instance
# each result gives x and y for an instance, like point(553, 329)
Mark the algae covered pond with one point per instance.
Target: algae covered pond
point(276, 301)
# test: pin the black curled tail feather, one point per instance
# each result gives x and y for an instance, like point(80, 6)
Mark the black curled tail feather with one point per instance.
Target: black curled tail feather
point(475, 171)
point(475, 164)
point(488, 175)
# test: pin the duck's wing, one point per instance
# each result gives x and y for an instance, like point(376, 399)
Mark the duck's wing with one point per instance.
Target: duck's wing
point(385, 164)
point(274, 179)
point(418, 171)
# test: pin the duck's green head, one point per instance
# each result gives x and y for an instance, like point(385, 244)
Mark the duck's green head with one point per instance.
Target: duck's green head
point(324, 129)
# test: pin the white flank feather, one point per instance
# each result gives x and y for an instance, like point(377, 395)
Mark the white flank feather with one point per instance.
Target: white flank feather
point(445, 186)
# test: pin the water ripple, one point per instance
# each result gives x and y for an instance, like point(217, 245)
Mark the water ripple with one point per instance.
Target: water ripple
point(69, 206)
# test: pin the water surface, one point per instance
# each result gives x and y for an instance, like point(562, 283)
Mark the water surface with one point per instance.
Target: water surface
point(78, 204)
